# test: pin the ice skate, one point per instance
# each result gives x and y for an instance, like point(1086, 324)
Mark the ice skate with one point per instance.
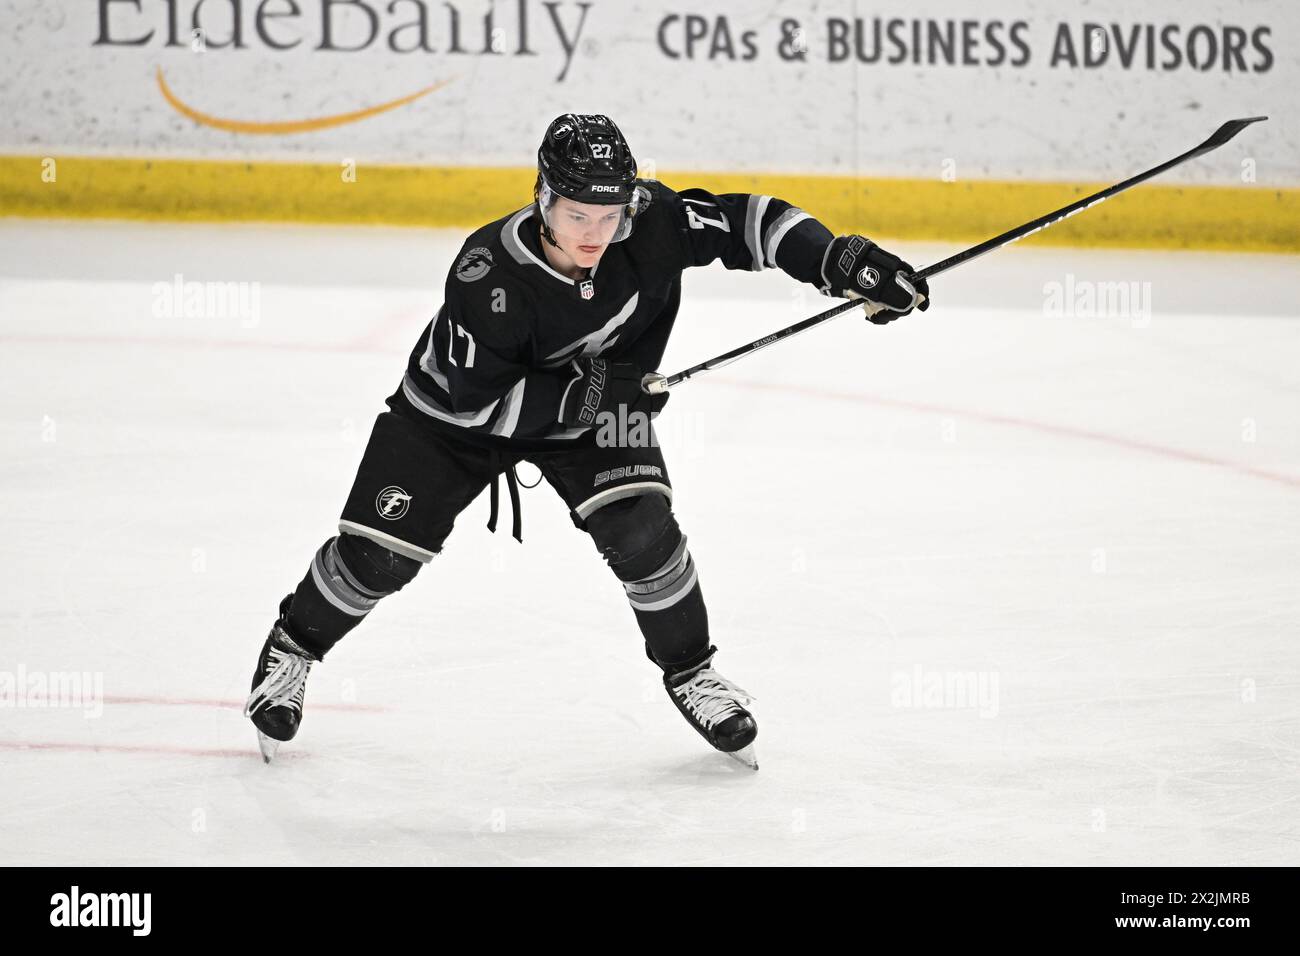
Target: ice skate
point(715, 707)
point(279, 684)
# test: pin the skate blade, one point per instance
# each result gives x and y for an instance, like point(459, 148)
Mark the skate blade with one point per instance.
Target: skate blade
point(746, 756)
point(268, 746)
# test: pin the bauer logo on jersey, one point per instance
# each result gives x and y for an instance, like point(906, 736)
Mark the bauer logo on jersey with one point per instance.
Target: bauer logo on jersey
point(868, 278)
point(628, 471)
point(474, 264)
point(587, 288)
point(392, 503)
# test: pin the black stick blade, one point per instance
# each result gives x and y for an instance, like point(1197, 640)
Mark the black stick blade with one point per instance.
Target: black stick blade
point(1229, 130)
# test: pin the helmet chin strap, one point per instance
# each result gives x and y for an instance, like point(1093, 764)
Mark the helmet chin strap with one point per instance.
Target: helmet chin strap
point(550, 237)
point(541, 214)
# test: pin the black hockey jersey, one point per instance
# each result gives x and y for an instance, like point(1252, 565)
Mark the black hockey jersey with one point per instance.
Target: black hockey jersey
point(493, 364)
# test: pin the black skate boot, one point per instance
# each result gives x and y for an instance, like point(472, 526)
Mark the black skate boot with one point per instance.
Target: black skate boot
point(714, 706)
point(279, 683)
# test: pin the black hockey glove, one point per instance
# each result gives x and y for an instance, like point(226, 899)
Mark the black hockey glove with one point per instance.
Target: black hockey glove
point(854, 267)
point(603, 386)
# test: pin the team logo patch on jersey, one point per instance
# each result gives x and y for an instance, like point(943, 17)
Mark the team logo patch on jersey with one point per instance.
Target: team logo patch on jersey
point(392, 503)
point(868, 278)
point(587, 288)
point(474, 264)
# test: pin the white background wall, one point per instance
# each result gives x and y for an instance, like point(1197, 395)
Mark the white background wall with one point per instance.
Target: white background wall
point(748, 109)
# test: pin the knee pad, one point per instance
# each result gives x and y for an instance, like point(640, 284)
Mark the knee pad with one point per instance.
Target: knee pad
point(640, 540)
point(634, 535)
point(348, 576)
point(371, 568)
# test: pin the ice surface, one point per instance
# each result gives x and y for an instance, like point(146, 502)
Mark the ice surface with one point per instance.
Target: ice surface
point(1096, 517)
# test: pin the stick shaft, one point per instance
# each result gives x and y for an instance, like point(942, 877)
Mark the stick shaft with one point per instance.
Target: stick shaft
point(1220, 136)
point(659, 383)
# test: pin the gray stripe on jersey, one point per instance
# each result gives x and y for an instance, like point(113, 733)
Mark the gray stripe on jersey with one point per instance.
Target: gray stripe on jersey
point(511, 241)
point(755, 209)
point(427, 361)
point(435, 409)
point(564, 395)
point(568, 433)
point(776, 232)
point(593, 343)
point(509, 417)
point(518, 251)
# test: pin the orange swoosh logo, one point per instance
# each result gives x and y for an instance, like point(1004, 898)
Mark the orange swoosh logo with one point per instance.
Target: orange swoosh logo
point(287, 126)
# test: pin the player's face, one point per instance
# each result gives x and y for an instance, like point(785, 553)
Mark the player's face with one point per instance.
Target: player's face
point(583, 230)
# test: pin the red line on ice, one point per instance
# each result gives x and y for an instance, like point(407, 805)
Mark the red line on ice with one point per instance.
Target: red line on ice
point(1047, 428)
point(230, 704)
point(130, 749)
point(185, 342)
point(402, 320)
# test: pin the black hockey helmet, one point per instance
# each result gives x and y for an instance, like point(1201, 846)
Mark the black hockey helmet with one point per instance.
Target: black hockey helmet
point(584, 157)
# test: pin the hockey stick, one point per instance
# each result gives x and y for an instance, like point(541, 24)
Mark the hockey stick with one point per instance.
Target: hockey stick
point(654, 382)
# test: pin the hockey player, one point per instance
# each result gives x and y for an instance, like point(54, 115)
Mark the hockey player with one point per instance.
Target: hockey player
point(551, 316)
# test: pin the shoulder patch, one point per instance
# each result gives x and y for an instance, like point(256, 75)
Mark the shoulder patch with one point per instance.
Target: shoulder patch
point(646, 193)
point(474, 264)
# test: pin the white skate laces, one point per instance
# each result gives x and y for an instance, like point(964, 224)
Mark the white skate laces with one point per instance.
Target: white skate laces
point(285, 684)
point(711, 698)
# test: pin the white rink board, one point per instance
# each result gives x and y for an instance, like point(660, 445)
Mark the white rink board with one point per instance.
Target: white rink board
point(709, 85)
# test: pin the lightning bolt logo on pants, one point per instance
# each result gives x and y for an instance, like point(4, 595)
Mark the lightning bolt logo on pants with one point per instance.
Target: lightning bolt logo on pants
point(392, 503)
